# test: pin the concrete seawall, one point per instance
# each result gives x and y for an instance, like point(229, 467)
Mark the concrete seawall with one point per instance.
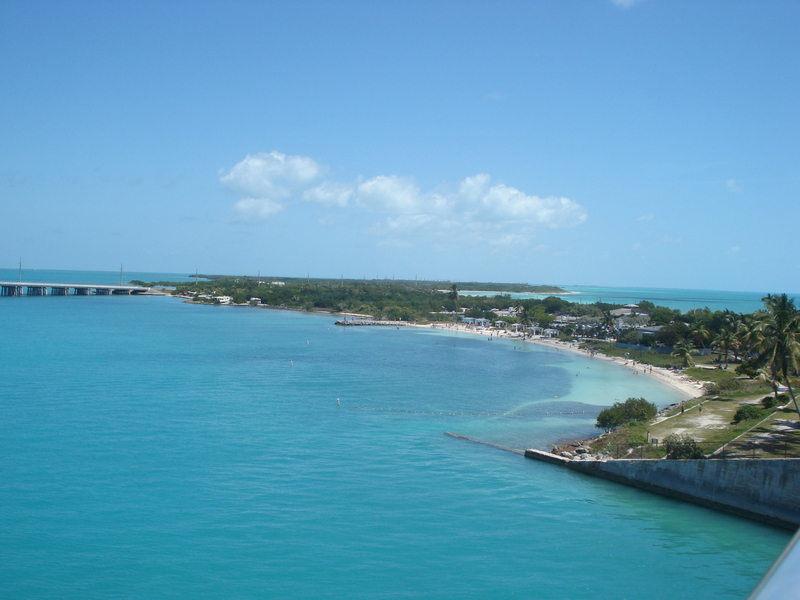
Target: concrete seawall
point(767, 490)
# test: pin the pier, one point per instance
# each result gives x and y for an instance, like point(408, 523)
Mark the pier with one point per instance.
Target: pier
point(22, 288)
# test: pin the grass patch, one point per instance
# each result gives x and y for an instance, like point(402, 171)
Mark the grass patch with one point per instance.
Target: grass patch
point(643, 356)
point(777, 437)
point(728, 383)
point(625, 439)
point(712, 428)
point(718, 376)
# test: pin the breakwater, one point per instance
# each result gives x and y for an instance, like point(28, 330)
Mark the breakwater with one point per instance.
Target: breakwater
point(764, 489)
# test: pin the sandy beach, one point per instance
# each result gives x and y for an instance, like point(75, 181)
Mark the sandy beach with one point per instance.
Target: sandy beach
point(682, 383)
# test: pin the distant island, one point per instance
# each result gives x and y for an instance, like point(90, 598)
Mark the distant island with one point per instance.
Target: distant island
point(466, 286)
point(396, 300)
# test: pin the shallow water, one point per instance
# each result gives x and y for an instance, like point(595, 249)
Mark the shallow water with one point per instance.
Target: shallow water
point(155, 449)
point(683, 300)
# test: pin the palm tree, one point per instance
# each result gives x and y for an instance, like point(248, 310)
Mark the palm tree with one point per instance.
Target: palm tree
point(780, 347)
point(607, 320)
point(770, 376)
point(726, 340)
point(683, 350)
point(454, 296)
point(749, 335)
point(729, 317)
point(525, 320)
point(700, 333)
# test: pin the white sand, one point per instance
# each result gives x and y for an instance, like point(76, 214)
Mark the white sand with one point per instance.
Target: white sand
point(690, 388)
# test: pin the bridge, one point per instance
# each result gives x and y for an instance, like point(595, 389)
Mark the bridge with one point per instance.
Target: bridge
point(22, 288)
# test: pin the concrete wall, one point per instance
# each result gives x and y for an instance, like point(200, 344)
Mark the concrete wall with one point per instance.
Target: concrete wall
point(764, 489)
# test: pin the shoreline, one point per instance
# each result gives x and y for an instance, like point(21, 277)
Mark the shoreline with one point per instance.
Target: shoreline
point(680, 383)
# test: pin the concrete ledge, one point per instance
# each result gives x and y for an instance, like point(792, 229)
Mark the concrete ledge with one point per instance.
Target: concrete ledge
point(546, 457)
point(767, 490)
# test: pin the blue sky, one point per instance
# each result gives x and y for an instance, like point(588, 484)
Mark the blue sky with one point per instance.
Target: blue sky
point(650, 143)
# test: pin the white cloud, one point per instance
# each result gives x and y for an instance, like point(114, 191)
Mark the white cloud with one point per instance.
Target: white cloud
point(250, 209)
point(330, 193)
point(266, 179)
point(733, 186)
point(270, 175)
point(625, 3)
point(506, 203)
point(734, 249)
point(497, 214)
point(472, 188)
point(390, 194)
point(646, 217)
point(475, 210)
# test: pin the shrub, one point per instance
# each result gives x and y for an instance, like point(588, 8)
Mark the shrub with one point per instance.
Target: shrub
point(681, 447)
point(632, 410)
point(628, 336)
point(748, 368)
point(770, 401)
point(726, 386)
point(748, 412)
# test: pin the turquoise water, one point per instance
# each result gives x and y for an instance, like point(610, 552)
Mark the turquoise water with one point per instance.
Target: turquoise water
point(88, 277)
point(154, 449)
point(683, 300)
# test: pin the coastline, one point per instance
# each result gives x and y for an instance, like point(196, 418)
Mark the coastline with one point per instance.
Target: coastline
point(681, 383)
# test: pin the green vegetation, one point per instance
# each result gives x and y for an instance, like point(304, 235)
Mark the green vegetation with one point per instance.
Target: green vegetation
point(683, 351)
point(777, 338)
point(395, 300)
point(682, 446)
point(621, 413)
point(774, 401)
point(422, 284)
point(686, 432)
point(749, 412)
point(775, 440)
point(648, 357)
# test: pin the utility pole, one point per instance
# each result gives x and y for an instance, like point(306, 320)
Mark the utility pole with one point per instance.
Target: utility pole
point(20, 270)
point(120, 273)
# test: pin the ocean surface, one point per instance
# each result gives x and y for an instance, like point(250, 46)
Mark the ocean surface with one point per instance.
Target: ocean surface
point(683, 300)
point(155, 449)
point(88, 277)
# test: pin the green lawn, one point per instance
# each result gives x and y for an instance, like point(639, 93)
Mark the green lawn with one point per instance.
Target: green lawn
point(712, 428)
